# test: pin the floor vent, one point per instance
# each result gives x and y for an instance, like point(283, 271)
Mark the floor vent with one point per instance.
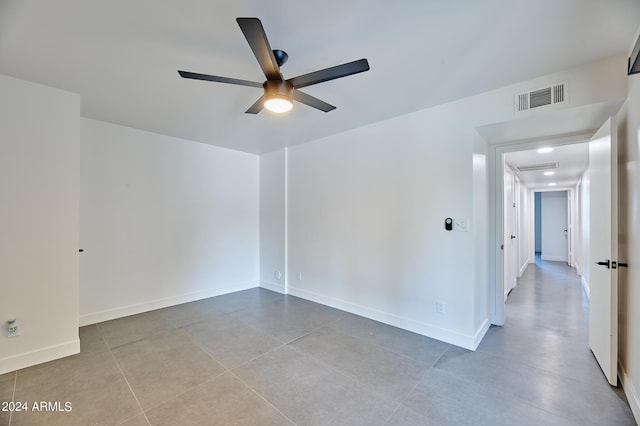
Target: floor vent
point(554, 94)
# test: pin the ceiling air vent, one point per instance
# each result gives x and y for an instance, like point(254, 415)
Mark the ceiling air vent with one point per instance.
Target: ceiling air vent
point(535, 167)
point(554, 94)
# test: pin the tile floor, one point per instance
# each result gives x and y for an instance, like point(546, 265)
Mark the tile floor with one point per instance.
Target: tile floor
point(260, 358)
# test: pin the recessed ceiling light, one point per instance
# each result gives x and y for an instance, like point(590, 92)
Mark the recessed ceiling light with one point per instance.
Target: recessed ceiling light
point(549, 173)
point(545, 150)
point(552, 184)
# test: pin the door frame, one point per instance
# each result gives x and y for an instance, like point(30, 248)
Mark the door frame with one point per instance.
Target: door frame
point(510, 272)
point(496, 209)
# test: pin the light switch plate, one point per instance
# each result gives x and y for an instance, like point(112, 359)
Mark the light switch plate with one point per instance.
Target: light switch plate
point(460, 225)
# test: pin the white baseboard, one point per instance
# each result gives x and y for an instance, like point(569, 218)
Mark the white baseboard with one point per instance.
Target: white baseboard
point(631, 393)
point(138, 308)
point(554, 258)
point(477, 338)
point(465, 341)
point(269, 285)
point(585, 288)
point(524, 267)
point(28, 359)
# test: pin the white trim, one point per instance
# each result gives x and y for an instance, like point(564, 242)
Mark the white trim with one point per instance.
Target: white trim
point(463, 340)
point(477, 338)
point(496, 213)
point(137, 308)
point(28, 359)
point(585, 287)
point(630, 392)
point(555, 258)
point(270, 285)
point(524, 266)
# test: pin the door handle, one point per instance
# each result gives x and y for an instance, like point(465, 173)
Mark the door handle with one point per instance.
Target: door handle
point(607, 263)
point(622, 265)
point(513, 237)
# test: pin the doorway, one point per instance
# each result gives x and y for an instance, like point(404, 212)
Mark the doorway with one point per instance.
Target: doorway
point(553, 226)
point(526, 214)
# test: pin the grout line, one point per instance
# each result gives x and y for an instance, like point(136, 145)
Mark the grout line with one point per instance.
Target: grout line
point(177, 395)
point(13, 395)
point(206, 351)
point(332, 325)
point(424, 373)
point(214, 376)
point(345, 375)
point(130, 388)
point(258, 357)
point(262, 397)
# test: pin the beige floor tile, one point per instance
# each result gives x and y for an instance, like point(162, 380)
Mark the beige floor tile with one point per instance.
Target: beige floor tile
point(138, 420)
point(92, 383)
point(7, 382)
point(231, 341)
point(310, 392)
point(91, 340)
point(164, 365)
point(223, 400)
point(125, 330)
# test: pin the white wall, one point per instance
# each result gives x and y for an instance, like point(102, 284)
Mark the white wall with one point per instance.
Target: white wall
point(366, 210)
point(162, 221)
point(554, 222)
point(273, 221)
point(366, 224)
point(39, 141)
point(629, 245)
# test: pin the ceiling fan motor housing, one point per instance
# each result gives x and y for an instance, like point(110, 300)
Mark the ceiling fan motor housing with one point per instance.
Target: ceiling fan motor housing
point(281, 56)
point(277, 89)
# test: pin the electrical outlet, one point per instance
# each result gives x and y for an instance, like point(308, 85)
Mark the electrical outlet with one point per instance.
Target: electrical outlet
point(299, 276)
point(12, 328)
point(439, 307)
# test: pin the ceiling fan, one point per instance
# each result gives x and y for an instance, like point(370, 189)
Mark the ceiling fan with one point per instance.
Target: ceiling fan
point(278, 92)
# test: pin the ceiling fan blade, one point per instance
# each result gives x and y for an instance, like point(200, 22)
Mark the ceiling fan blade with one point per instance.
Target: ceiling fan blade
point(218, 79)
point(257, 39)
point(332, 73)
point(256, 107)
point(311, 101)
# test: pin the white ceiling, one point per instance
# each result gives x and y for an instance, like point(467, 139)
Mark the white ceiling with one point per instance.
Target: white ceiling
point(572, 162)
point(122, 57)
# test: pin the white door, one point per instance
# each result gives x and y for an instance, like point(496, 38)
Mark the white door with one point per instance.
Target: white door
point(603, 249)
point(509, 245)
point(554, 225)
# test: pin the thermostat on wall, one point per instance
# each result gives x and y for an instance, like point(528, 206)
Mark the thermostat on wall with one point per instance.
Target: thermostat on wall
point(448, 224)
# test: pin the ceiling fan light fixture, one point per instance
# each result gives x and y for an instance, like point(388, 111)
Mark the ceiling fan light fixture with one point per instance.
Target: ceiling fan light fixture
point(278, 103)
point(277, 96)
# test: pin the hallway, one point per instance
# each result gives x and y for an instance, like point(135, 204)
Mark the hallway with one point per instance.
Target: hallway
point(544, 349)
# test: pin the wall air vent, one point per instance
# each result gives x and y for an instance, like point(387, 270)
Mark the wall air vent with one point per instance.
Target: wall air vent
point(554, 94)
point(536, 167)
